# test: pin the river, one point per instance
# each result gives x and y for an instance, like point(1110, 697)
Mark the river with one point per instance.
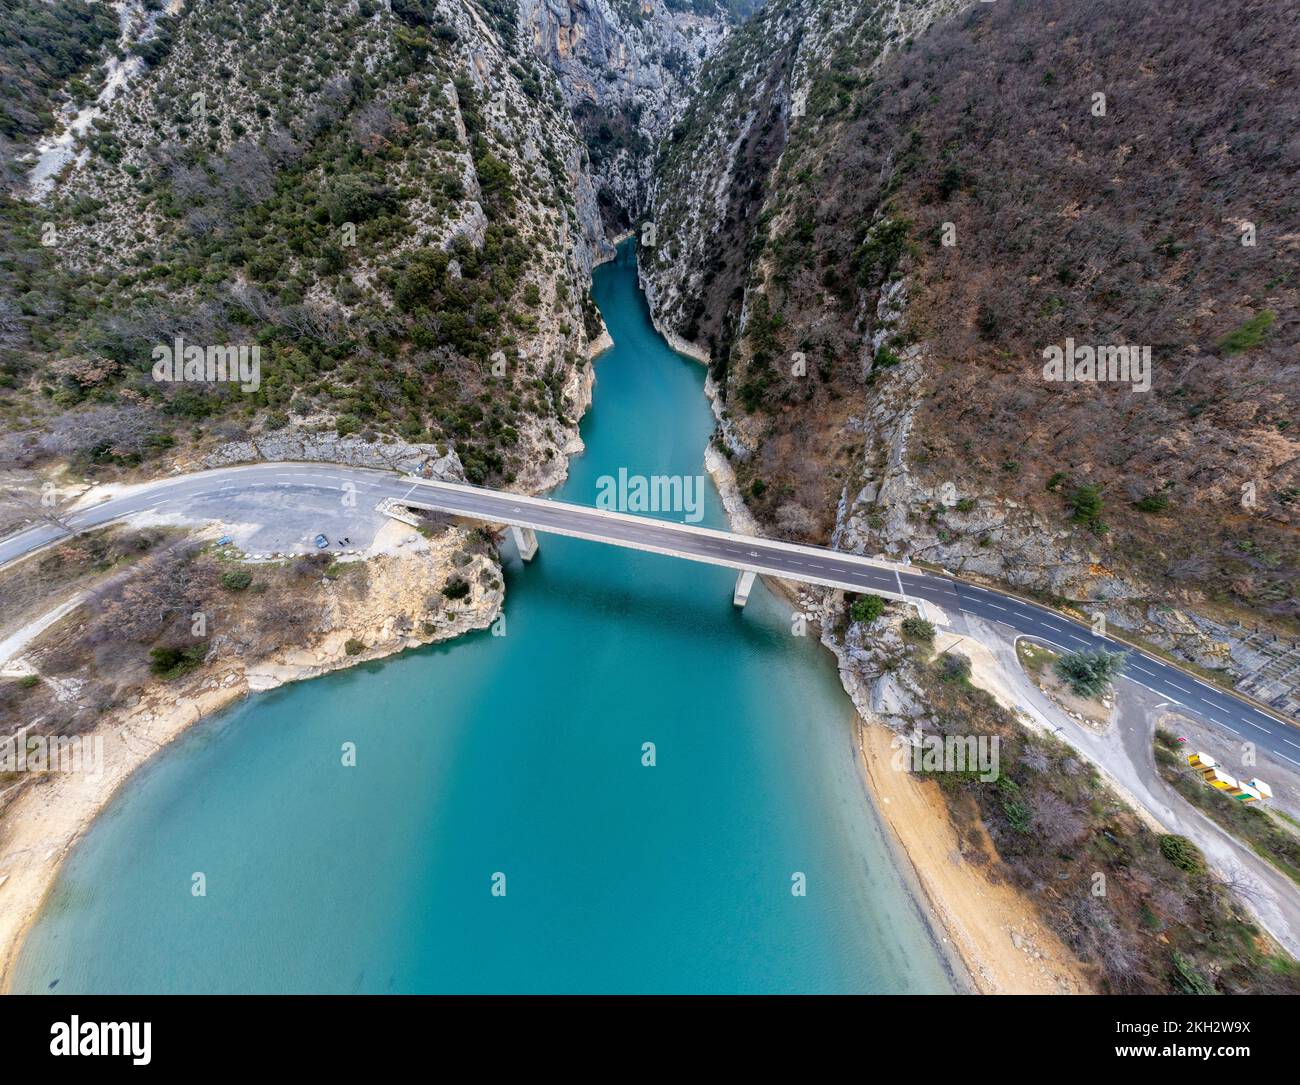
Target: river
point(520, 755)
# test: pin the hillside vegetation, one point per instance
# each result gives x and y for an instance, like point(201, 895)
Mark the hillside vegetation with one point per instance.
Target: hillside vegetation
point(833, 147)
point(391, 204)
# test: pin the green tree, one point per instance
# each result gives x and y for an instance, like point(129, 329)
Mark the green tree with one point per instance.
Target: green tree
point(168, 661)
point(1088, 671)
point(867, 608)
point(1182, 853)
point(1085, 504)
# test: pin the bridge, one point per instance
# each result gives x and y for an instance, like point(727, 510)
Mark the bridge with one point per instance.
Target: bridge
point(306, 495)
point(751, 556)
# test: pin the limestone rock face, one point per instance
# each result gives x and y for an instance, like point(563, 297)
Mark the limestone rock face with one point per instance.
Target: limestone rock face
point(625, 70)
point(457, 141)
point(296, 445)
point(764, 252)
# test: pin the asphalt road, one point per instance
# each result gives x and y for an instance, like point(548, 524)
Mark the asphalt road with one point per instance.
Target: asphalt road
point(281, 506)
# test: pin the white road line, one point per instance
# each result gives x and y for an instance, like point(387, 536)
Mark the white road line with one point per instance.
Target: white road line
point(996, 607)
point(1157, 692)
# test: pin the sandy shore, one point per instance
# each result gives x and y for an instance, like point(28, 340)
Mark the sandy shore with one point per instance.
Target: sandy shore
point(47, 820)
point(987, 929)
point(994, 929)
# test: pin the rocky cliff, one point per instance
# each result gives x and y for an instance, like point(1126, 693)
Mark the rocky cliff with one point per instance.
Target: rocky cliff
point(626, 68)
point(391, 202)
point(878, 218)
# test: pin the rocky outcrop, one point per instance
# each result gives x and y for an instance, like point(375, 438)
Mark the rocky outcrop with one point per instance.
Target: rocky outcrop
point(625, 70)
point(410, 249)
point(815, 207)
point(305, 447)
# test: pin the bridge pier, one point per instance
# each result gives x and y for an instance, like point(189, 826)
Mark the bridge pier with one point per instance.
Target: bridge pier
point(525, 541)
point(744, 582)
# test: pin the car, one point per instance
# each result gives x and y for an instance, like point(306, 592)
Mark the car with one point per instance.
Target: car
point(321, 542)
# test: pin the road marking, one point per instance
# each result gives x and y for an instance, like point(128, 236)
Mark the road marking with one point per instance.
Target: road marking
point(1290, 743)
point(996, 607)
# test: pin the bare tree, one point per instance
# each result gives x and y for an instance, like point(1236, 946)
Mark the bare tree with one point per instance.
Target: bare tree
point(124, 431)
point(37, 507)
point(13, 331)
point(139, 605)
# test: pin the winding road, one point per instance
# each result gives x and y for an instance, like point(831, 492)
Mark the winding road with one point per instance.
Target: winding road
point(282, 506)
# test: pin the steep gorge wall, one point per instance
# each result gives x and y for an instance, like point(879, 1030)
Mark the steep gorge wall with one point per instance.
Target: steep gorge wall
point(626, 69)
point(882, 390)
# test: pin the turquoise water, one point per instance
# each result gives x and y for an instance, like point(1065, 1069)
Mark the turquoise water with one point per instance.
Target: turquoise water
point(521, 755)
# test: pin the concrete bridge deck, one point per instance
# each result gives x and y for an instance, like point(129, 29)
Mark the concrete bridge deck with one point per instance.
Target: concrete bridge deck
point(748, 554)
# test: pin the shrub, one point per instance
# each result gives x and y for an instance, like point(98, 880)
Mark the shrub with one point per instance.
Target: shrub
point(918, 629)
point(954, 669)
point(1156, 502)
point(867, 608)
point(1188, 979)
point(236, 579)
point(1182, 853)
point(1088, 671)
point(169, 661)
point(354, 647)
point(456, 589)
point(1249, 334)
point(1085, 504)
